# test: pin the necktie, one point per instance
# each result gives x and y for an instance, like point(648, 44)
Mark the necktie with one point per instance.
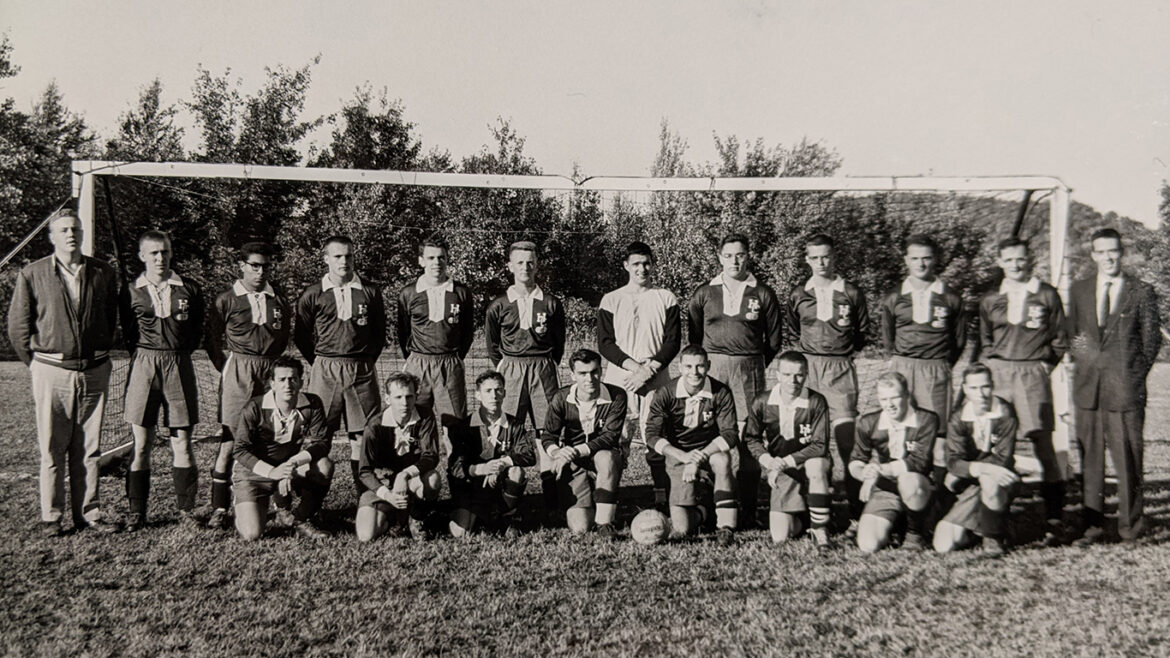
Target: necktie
point(1103, 311)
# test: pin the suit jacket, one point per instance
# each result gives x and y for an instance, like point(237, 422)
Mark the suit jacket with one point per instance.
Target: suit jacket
point(1112, 363)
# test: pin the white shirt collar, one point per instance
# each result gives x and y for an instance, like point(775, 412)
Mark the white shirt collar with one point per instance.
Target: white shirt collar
point(1115, 280)
point(603, 398)
point(749, 282)
point(799, 402)
point(887, 423)
point(1032, 285)
point(514, 293)
point(969, 414)
point(446, 286)
point(240, 291)
point(388, 419)
point(174, 280)
point(680, 389)
point(837, 285)
point(269, 401)
point(477, 420)
point(355, 283)
point(937, 287)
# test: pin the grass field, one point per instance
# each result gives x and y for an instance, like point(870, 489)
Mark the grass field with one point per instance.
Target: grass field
point(170, 590)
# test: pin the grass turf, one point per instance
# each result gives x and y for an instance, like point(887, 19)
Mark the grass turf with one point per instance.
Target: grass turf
point(171, 590)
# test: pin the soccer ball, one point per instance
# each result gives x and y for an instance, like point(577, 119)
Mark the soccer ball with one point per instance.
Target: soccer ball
point(650, 527)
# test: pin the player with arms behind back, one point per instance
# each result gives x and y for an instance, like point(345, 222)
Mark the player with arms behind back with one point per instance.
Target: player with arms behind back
point(692, 424)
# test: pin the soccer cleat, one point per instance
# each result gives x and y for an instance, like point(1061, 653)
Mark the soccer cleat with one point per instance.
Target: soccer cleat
point(1053, 533)
point(724, 536)
point(512, 529)
point(102, 526)
point(310, 531)
point(1092, 535)
point(137, 522)
point(850, 533)
point(607, 532)
point(51, 529)
point(418, 529)
point(993, 547)
point(188, 520)
point(820, 538)
point(284, 517)
point(914, 542)
point(219, 520)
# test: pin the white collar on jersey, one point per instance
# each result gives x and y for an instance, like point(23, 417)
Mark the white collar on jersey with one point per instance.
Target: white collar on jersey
point(174, 280)
point(514, 293)
point(1032, 285)
point(838, 284)
point(446, 286)
point(680, 389)
point(269, 401)
point(799, 402)
point(887, 423)
point(327, 284)
point(749, 282)
point(937, 287)
point(241, 291)
point(969, 414)
point(602, 398)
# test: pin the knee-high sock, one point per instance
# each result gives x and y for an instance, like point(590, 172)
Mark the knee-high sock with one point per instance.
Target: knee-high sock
point(548, 490)
point(660, 479)
point(749, 494)
point(606, 502)
point(1053, 493)
point(853, 494)
point(512, 491)
point(726, 512)
point(992, 523)
point(138, 490)
point(818, 509)
point(358, 487)
point(221, 489)
point(186, 486)
point(943, 497)
point(915, 521)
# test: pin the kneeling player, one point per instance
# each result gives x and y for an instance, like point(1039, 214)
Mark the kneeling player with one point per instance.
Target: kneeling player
point(692, 424)
point(397, 464)
point(281, 448)
point(787, 431)
point(489, 452)
point(901, 438)
point(582, 435)
point(981, 440)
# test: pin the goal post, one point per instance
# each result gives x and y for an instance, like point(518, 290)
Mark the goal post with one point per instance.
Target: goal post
point(85, 172)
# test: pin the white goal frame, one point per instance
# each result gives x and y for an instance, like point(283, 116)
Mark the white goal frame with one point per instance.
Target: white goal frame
point(84, 173)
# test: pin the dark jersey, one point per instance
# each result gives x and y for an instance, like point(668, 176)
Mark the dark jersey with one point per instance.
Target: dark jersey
point(177, 323)
point(506, 335)
point(755, 327)
point(713, 416)
point(804, 437)
point(257, 438)
point(563, 424)
point(940, 332)
point(418, 332)
point(842, 333)
point(387, 450)
point(991, 439)
point(233, 327)
point(319, 330)
point(1036, 334)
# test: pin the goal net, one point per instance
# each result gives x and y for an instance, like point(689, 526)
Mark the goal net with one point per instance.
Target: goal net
point(580, 226)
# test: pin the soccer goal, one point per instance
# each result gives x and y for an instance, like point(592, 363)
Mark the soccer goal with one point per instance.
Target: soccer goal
point(679, 217)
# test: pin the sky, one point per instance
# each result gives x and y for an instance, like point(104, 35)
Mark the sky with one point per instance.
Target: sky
point(1074, 89)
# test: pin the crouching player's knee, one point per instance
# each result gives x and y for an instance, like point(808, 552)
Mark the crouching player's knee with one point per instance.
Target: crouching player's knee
point(914, 490)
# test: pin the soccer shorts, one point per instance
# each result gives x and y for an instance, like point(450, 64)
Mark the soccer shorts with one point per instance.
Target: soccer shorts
point(744, 375)
point(349, 390)
point(442, 386)
point(930, 384)
point(575, 486)
point(161, 379)
point(244, 377)
point(247, 487)
point(687, 494)
point(370, 497)
point(1026, 384)
point(835, 378)
point(789, 491)
point(475, 496)
point(531, 381)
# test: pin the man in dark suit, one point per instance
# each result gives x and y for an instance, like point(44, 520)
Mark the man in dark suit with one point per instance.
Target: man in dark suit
point(1113, 325)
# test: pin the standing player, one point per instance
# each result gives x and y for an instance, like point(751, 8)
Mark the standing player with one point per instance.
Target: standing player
point(248, 327)
point(787, 432)
point(737, 320)
point(435, 327)
point(1114, 329)
point(490, 451)
point(582, 436)
point(340, 330)
point(829, 320)
point(692, 424)
point(1022, 338)
point(892, 458)
point(924, 328)
point(525, 331)
point(981, 440)
point(639, 333)
point(162, 323)
point(398, 459)
point(61, 325)
point(281, 448)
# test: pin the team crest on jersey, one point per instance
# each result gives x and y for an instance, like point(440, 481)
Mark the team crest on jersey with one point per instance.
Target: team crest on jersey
point(276, 318)
point(708, 415)
point(753, 308)
point(184, 309)
point(453, 314)
point(805, 432)
point(540, 324)
point(1036, 314)
point(940, 314)
point(362, 317)
point(844, 313)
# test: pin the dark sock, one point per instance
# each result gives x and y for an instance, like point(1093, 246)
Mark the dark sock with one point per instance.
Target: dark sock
point(186, 484)
point(853, 492)
point(548, 490)
point(358, 487)
point(1053, 493)
point(818, 510)
point(311, 495)
point(221, 489)
point(749, 497)
point(512, 492)
point(992, 523)
point(1094, 518)
point(661, 481)
point(138, 490)
point(915, 521)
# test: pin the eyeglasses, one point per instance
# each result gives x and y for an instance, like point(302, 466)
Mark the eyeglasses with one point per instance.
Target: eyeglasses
point(257, 267)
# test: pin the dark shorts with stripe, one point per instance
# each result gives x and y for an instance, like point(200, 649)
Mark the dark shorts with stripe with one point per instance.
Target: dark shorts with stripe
point(531, 381)
point(162, 379)
point(244, 377)
point(965, 512)
point(442, 385)
point(575, 485)
point(349, 390)
point(835, 378)
point(789, 491)
point(930, 384)
point(1026, 384)
point(744, 375)
point(688, 494)
point(387, 476)
point(247, 487)
point(476, 496)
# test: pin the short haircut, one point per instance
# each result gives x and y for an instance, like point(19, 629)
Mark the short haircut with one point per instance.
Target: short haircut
point(489, 375)
point(820, 240)
point(286, 361)
point(894, 379)
point(735, 237)
point(434, 243)
point(402, 379)
point(584, 355)
point(977, 369)
point(1008, 243)
point(639, 249)
point(921, 240)
point(792, 356)
point(64, 213)
point(337, 239)
point(694, 349)
point(255, 249)
point(523, 245)
point(153, 236)
point(1105, 233)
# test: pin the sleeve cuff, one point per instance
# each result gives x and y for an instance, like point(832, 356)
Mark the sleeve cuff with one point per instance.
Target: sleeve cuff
point(660, 447)
point(583, 450)
point(263, 469)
